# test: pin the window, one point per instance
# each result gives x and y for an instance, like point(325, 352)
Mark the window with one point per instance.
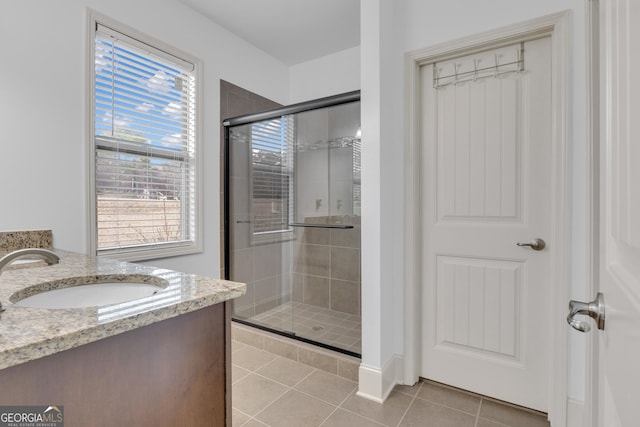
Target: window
point(145, 146)
point(272, 177)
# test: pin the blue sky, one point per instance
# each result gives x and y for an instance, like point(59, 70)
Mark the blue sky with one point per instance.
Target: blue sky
point(147, 103)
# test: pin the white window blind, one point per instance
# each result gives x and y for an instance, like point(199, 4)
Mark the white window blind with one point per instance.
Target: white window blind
point(272, 174)
point(145, 148)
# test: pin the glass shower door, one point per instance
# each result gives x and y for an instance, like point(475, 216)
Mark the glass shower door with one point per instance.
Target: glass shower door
point(294, 224)
point(260, 203)
point(326, 290)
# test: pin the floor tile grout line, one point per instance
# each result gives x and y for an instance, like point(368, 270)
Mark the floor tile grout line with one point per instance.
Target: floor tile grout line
point(287, 387)
point(497, 423)
point(249, 420)
point(413, 399)
point(259, 367)
point(329, 416)
point(301, 392)
point(252, 370)
point(313, 370)
point(287, 390)
point(292, 388)
point(355, 393)
point(478, 414)
point(415, 396)
point(316, 397)
point(234, 382)
point(446, 406)
point(283, 384)
point(290, 360)
point(253, 419)
point(373, 420)
point(243, 413)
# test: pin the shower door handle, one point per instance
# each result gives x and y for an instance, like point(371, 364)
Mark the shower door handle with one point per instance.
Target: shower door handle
point(311, 225)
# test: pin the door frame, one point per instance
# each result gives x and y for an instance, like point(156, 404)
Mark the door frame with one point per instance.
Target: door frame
point(557, 26)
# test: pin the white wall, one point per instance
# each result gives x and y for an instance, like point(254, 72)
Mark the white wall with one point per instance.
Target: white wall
point(402, 27)
point(326, 76)
point(43, 113)
point(382, 146)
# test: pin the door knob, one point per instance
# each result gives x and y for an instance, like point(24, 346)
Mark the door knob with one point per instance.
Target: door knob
point(535, 244)
point(593, 309)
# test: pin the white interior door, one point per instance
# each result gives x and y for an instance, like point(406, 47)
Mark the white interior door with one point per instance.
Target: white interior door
point(619, 343)
point(485, 185)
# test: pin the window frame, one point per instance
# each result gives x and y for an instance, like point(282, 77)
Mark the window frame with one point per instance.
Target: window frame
point(151, 251)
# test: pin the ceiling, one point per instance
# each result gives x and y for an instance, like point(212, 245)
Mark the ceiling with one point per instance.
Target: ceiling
point(292, 31)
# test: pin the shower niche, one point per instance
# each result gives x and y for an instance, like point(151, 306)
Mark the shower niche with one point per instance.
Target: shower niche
point(292, 220)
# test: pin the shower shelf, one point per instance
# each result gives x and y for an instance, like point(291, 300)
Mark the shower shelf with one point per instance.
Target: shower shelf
point(339, 226)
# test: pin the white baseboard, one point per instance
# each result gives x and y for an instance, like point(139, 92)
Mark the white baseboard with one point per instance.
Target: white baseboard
point(399, 369)
point(575, 413)
point(376, 384)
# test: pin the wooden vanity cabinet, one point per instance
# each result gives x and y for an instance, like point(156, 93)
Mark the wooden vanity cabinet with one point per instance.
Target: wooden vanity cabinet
point(172, 373)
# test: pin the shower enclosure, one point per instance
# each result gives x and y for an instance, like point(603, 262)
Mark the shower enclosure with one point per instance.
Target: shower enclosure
point(292, 220)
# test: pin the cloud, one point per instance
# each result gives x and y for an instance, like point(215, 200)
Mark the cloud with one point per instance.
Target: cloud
point(161, 82)
point(145, 106)
point(173, 110)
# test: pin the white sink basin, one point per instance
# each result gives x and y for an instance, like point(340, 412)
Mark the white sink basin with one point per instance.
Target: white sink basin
point(92, 295)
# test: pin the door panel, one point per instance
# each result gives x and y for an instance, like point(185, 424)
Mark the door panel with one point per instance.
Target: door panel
point(478, 142)
point(619, 344)
point(478, 307)
point(485, 187)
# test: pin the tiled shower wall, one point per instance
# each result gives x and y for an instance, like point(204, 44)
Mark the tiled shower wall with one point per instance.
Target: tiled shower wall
point(325, 273)
point(327, 265)
point(327, 260)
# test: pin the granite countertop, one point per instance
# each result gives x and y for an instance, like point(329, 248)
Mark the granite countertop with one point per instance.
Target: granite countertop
point(31, 333)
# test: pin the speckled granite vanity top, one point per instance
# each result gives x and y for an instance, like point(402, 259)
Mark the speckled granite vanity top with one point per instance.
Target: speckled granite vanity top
point(31, 333)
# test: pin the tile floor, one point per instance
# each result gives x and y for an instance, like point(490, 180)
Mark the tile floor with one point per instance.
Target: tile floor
point(269, 390)
point(335, 328)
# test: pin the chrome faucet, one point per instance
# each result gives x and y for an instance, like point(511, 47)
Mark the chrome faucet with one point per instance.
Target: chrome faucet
point(48, 257)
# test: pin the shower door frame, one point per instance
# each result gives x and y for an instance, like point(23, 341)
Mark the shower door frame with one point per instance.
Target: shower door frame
point(330, 101)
